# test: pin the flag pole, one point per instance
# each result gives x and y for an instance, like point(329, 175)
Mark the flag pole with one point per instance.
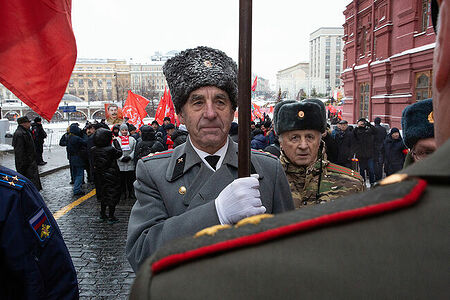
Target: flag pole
point(244, 85)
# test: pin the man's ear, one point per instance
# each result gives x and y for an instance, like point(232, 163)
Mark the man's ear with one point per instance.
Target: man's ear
point(442, 63)
point(181, 117)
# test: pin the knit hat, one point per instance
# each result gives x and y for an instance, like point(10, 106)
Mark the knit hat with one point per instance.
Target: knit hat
point(292, 115)
point(123, 126)
point(199, 67)
point(37, 119)
point(418, 122)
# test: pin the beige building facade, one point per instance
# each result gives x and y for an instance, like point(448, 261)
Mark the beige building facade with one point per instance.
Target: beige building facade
point(291, 81)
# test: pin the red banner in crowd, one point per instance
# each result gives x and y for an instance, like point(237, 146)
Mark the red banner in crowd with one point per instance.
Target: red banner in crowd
point(255, 83)
point(37, 51)
point(165, 108)
point(134, 109)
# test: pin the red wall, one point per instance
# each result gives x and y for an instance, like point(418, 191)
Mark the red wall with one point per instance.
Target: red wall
point(391, 74)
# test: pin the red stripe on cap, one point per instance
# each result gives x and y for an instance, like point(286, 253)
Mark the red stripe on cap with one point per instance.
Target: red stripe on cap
point(260, 237)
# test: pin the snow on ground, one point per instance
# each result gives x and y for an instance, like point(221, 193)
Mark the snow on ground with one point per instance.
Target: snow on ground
point(5, 147)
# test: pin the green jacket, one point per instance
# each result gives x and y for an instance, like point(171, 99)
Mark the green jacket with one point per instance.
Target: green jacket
point(335, 181)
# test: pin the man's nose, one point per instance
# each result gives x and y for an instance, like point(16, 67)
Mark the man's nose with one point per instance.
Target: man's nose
point(302, 144)
point(210, 111)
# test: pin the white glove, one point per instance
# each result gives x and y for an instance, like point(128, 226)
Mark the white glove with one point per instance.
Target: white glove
point(239, 199)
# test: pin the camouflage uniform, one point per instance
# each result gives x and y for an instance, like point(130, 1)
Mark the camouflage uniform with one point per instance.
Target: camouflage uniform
point(336, 181)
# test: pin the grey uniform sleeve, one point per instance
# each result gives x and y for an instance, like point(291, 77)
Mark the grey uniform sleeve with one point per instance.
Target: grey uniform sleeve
point(150, 225)
point(282, 196)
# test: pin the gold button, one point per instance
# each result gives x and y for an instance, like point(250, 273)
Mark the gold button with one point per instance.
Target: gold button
point(301, 114)
point(182, 190)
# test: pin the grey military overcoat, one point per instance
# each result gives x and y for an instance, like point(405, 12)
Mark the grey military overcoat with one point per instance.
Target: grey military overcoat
point(175, 194)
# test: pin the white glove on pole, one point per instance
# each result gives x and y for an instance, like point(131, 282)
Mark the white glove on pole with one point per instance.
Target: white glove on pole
point(239, 199)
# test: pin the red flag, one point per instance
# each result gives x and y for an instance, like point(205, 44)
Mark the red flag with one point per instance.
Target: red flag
point(159, 116)
point(255, 83)
point(37, 51)
point(134, 109)
point(256, 111)
point(170, 108)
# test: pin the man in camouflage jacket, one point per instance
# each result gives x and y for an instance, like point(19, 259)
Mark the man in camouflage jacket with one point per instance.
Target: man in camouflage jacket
point(312, 178)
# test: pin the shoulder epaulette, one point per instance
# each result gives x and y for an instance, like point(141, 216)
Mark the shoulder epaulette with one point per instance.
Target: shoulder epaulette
point(343, 170)
point(260, 152)
point(11, 181)
point(156, 155)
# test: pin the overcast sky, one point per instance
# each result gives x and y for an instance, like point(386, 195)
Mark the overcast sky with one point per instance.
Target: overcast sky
point(138, 28)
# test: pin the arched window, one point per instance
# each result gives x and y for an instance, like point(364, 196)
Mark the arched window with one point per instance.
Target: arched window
point(424, 15)
point(423, 85)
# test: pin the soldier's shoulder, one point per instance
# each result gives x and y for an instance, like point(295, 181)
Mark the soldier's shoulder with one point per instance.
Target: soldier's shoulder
point(343, 172)
point(260, 154)
point(264, 229)
point(158, 155)
point(10, 180)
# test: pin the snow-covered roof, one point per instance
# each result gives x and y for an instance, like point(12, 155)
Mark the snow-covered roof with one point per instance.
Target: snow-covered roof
point(415, 50)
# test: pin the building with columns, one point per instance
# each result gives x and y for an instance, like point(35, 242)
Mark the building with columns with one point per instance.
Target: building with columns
point(388, 58)
point(325, 54)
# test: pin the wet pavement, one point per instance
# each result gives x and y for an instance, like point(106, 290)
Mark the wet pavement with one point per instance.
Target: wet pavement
point(97, 249)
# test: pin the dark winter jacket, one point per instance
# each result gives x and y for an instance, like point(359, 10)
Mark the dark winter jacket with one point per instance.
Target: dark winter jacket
point(394, 153)
point(330, 147)
point(76, 147)
point(106, 171)
point(380, 136)
point(363, 142)
point(274, 148)
point(148, 144)
point(179, 137)
point(38, 133)
point(259, 141)
point(343, 141)
point(25, 155)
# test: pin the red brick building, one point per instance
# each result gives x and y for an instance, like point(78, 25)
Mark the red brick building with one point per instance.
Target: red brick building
point(388, 57)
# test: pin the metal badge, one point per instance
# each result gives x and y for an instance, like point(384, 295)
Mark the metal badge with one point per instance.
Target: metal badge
point(301, 114)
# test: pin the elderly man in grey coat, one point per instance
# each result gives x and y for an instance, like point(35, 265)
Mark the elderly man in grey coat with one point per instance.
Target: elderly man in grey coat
point(182, 191)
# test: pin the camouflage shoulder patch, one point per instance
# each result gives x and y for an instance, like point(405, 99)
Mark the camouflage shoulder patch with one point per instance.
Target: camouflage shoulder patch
point(164, 154)
point(41, 226)
point(343, 170)
point(10, 181)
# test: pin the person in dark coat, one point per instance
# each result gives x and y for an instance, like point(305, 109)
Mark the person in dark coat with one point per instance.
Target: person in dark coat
point(179, 136)
point(63, 143)
point(394, 152)
point(330, 145)
point(76, 147)
point(343, 141)
point(148, 143)
point(34, 260)
point(106, 172)
point(259, 141)
point(379, 138)
point(25, 153)
point(90, 130)
point(39, 135)
point(364, 148)
point(115, 130)
point(274, 148)
point(233, 132)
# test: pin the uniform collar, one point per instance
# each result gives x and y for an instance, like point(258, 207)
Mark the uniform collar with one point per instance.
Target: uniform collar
point(184, 157)
point(202, 154)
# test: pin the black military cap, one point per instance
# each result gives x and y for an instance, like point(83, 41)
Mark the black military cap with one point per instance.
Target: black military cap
point(343, 122)
point(199, 67)
point(418, 122)
point(22, 120)
point(292, 115)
